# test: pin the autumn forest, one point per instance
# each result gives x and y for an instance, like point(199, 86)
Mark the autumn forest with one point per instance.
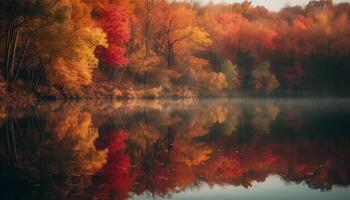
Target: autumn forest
point(163, 48)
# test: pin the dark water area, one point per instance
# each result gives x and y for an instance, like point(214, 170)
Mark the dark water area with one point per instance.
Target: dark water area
point(176, 149)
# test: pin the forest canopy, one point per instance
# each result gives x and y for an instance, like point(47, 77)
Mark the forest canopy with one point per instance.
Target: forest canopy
point(163, 48)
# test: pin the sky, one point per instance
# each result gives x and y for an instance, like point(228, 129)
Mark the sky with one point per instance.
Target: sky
point(273, 5)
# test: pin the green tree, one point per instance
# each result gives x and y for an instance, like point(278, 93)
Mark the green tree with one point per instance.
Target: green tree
point(231, 73)
point(263, 78)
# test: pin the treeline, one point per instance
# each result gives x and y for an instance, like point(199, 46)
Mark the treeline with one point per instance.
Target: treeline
point(157, 48)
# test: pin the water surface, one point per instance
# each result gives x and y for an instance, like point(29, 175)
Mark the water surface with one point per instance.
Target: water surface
point(176, 149)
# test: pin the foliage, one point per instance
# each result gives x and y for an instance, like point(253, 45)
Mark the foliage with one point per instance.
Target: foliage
point(20, 21)
point(209, 49)
point(262, 78)
point(231, 73)
point(72, 58)
point(113, 19)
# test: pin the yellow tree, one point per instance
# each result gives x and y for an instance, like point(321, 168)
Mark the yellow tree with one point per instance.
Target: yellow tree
point(176, 31)
point(71, 47)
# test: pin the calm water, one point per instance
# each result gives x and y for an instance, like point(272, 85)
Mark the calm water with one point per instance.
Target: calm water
point(184, 149)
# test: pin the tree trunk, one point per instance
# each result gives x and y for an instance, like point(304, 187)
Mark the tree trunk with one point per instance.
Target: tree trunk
point(121, 76)
point(22, 57)
point(149, 27)
point(7, 50)
point(13, 59)
point(170, 55)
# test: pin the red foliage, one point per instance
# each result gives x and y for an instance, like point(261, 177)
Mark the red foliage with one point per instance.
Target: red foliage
point(112, 56)
point(114, 21)
point(115, 174)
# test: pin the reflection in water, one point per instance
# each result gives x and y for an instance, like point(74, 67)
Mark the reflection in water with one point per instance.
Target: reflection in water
point(140, 149)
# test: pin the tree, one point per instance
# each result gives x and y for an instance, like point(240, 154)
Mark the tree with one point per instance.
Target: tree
point(22, 20)
point(114, 21)
point(231, 73)
point(176, 31)
point(263, 79)
point(318, 5)
point(72, 44)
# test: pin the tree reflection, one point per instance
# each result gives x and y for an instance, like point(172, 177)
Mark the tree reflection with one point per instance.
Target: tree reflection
point(49, 154)
point(115, 181)
point(126, 150)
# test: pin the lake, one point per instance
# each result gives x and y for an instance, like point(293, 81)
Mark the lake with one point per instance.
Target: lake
point(176, 149)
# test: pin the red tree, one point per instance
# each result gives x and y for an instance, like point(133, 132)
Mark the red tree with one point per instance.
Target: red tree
point(114, 21)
